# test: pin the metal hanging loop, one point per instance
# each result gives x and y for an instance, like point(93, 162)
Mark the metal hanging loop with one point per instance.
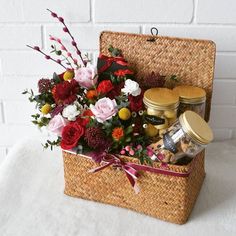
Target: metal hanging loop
point(154, 32)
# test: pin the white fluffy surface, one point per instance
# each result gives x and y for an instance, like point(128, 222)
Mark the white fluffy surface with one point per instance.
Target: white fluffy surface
point(32, 200)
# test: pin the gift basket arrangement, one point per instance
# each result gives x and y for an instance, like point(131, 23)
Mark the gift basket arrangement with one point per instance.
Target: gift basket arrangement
point(132, 128)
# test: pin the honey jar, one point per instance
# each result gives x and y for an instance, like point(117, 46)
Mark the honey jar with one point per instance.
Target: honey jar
point(191, 98)
point(161, 105)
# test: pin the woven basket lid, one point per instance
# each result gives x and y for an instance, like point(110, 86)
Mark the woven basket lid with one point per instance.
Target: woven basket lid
point(190, 59)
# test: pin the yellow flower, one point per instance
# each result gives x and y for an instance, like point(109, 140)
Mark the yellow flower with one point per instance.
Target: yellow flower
point(46, 108)
point(68, 75)
point(124, 113)
point(151, 131)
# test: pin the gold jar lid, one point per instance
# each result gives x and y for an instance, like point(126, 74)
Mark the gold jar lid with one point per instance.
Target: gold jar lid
point(196, 127)
point(161, 98)
point(190, 94)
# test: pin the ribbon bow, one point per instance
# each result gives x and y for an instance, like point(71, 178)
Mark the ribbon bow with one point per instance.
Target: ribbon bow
point(131, 169)
point(110, 60)
point(115, 161)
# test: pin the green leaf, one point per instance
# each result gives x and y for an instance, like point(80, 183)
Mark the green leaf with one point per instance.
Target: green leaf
point(56, 78)
point(129, 130)
point(114, 51)
point(128, 139)
point(58, 52)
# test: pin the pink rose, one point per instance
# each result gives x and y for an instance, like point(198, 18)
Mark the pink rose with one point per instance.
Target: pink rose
point(56, 124)
point(104, 109)
point(86, 76)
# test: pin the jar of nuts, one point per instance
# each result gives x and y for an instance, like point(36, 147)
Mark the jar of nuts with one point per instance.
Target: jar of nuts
point(188, 136)
point(191, 98)
point(161, 105)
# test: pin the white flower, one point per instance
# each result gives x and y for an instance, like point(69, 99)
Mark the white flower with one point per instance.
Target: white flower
point(71, 111)
point(131, 87)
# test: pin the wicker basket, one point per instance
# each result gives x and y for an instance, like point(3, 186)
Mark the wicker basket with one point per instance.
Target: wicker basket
point(166, 197)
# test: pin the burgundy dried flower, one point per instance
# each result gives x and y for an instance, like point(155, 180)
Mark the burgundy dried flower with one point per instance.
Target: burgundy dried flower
point(95, 137)
point(65, 92)
point(153, 80)
point(47, 57)
point(44, 85)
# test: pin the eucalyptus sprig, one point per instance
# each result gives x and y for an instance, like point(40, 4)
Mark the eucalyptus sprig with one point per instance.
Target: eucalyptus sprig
point(30, 93)
point(51, 144)
point(40, 121)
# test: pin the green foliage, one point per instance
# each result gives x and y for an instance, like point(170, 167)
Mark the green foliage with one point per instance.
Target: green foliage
point(40, 121)
point(30, 93)
point(174, 78)
point(55, 78)
point(51, 144)
point(122, 101)
point(39, 99)
point(115, 52)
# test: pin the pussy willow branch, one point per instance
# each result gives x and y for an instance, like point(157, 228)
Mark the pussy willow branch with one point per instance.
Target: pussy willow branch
point(36, 48)
point(66, 29)
point(63, 48)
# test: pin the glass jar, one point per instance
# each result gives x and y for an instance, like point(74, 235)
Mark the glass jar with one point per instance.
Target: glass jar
point(188, 136)
point(161, 105)
point(191, 98)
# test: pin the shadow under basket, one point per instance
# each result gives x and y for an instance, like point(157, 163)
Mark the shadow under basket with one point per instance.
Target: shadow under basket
point(169, 198)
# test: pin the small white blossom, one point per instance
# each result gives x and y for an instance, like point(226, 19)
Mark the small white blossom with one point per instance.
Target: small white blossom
point(71, 111)
point(131, 87)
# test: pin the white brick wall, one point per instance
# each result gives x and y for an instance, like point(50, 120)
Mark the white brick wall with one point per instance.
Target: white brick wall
point(26, 21)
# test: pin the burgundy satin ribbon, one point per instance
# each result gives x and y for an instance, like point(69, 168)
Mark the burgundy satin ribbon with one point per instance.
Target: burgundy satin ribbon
point(131, 169)
point(110, 60)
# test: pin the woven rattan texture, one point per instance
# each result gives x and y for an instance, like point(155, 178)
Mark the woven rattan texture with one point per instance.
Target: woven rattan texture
point(192, 60)
point(165, 197)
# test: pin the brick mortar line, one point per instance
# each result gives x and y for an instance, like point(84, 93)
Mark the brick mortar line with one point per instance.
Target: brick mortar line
point(115, 23)
point(125, 24)
point(2, 109)
point(43, 40)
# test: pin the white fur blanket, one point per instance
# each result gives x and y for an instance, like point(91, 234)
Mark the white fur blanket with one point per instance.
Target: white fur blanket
point(32, 202)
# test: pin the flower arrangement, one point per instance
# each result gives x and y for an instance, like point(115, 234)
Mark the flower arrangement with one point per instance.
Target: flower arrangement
point(94, 109)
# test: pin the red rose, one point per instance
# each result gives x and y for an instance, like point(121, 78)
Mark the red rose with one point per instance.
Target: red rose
point(105, 86)
point(87, 113)
point(123, 73)
point(71, 134)
point(136, 102)
point(85, 118)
